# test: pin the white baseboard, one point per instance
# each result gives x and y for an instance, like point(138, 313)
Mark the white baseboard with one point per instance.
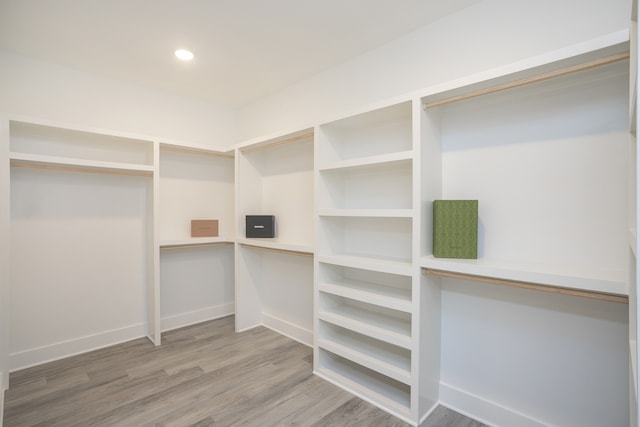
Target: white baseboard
point(483, 410)
point(288, 329)
point(48, 353)
point(1, 398)
point(192, 317)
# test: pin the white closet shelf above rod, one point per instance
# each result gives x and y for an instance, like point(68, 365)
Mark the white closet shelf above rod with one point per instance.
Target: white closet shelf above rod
point(277, 143)
point(83, 169)
point(623, 299)
point(533, 79)
point(190, 150)
point(281, 251)
point(193, 245)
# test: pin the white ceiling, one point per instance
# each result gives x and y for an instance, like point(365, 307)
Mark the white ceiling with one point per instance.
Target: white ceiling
point(245, 49)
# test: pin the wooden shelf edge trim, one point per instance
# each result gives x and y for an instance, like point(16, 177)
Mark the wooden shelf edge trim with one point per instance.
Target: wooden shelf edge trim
point(84, 169)
point(277, 143)
point(622, 299)
point(282, 251)
point(529, 80)
point(193, 245)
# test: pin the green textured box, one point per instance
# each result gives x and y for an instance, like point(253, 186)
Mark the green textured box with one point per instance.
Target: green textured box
point(455, 229)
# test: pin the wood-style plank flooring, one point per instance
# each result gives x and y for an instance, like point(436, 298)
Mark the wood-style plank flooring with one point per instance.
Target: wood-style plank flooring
point(201, 375)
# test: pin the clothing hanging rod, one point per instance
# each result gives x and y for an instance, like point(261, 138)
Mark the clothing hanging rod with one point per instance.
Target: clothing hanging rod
point(277, 143)
point(83, 169)
point(623, 299)
point(540, 77)
point(281, 251)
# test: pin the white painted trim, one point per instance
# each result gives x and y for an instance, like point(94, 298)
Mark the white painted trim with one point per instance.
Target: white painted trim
point(339, 384)
point(483, 410)
point(428, 413)
point(1, 398)
point(197, 316)
point(288, 329)
point(51, 352)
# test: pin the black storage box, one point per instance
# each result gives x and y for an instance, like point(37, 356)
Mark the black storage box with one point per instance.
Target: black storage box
point(261, 226)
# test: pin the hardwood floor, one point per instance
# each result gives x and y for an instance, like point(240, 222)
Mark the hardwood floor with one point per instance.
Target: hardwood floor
point(202, 375)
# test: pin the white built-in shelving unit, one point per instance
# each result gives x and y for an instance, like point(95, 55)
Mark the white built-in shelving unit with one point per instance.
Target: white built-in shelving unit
point(195, 183)
point(368, 292)
point(542, 201)
point(81, 217)
point(92, 210)
point(274, 276)
point(543, 145)
point(540, 146)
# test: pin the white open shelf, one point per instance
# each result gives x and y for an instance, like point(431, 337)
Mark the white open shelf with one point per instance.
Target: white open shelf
point(359, 139)
point(392, 297)
point(26, 159)
point(368, 213)
point(386, 186)
point(375, 322)
point(55, 142)
point(369, 263)
point(384, 358)
point(560, 276)
point(365, 383)
point(380, 159)
point(193, 241)
point(386, 239)
point(276, 244)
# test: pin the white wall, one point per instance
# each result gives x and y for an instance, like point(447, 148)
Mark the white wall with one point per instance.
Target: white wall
point(556, 359)
point(43, 90)
point(489, 34)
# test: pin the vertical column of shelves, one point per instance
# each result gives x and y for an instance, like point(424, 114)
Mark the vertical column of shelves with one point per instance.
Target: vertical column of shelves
point(274, 276)
point(196, 278)
point(365, 335)
point(81, 209)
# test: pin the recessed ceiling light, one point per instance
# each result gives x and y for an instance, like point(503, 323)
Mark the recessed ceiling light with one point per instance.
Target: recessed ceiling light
point(185, 55)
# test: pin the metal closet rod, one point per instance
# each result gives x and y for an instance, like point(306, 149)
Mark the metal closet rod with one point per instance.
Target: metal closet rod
point(529, 80)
